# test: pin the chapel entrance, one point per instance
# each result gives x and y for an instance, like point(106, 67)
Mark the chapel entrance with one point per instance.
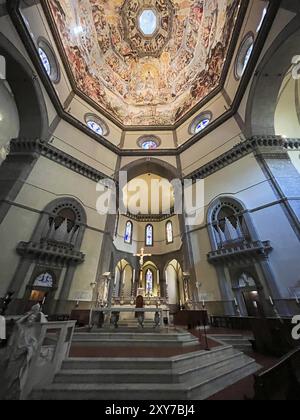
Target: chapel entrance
point(247, 296)
point(40, 291)
point(252, 302)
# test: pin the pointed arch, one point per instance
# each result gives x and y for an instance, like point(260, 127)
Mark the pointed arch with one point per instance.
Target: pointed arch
point(169, 232)
point(128, 232)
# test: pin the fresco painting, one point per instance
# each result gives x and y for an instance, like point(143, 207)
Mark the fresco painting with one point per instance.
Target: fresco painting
point(139, 84)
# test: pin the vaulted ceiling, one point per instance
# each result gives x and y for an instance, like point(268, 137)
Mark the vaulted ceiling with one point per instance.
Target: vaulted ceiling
point(146, 62)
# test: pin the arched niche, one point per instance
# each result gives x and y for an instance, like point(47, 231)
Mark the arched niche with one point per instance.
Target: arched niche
point(123, 281)
point(150, 165)
point(26, 90)
point(268, 80)
point(177, 293)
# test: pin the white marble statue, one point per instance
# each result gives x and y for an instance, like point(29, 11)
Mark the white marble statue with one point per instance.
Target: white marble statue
point(19, 352)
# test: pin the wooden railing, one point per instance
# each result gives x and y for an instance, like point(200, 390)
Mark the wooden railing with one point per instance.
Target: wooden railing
point(281, 382)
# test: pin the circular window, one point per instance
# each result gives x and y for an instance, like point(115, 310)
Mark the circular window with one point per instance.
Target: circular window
point(149, 142)
point(97, 125)
point(48, 60)
point(148, 22)
point(200, 122)
point(244, 55)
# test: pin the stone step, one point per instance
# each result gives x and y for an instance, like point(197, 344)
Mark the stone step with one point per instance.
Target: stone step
point(135, 339)
point(196, 389)
point(177, 363)
point(239, 342)
point(116, 375)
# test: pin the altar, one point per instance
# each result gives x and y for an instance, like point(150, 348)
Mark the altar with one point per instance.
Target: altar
point(111, 316)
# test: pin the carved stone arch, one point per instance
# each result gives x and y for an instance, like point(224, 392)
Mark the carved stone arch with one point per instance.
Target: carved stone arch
point(268, 80)
point(67, 202)
point(53, 208)
point(213, 208)
point(151, 165)
point(244, 226)
point(27, 92)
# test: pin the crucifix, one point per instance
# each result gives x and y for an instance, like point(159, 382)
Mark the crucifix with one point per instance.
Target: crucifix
point(141, 255)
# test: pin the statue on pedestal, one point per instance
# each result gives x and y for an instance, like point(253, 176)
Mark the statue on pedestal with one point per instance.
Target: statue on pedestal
point(18, 354)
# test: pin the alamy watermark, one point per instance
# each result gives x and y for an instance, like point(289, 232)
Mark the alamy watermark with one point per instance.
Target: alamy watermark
point(153, 197)
point(296, 329)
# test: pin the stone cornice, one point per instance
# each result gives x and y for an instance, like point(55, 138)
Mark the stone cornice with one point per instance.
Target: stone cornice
point(149, 217)
point(50, 252)
point(272, 145)
point(36, 148)
point(268, 146)
point(239, 253)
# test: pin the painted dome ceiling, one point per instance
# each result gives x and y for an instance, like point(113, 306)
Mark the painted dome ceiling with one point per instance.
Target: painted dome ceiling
point(146, 62)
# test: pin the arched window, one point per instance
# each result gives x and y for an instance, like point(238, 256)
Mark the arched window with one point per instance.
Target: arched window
point(149, 142)
point(96, 124)
point(149, 235)
point(244, 55)
point(128, 232)
point(44, 280)
point(200, 122)
point(48, 59)
point(149, 282)
point(169, 232)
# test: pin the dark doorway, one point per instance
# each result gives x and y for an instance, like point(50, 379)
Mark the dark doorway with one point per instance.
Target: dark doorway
point(252, 302)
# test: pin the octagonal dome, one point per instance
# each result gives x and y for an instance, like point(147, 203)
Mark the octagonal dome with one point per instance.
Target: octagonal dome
point(152, 78)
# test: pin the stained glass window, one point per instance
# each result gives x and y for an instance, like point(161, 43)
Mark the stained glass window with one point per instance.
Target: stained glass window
point(43, 280)
point(169, 232)
point(94, 126)
point(149, 282)
point(147, 145)
point(45, 61)
point(149, 142)
point(200, 122)
point(128, 233)
point(149, 235)
point(201, 125)
point(148, 22)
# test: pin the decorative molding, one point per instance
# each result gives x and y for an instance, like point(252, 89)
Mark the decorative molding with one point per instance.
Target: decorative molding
point(240, 253)
point(57, 253)
point(149, 217)
point(37, 147)
point(256, 144)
